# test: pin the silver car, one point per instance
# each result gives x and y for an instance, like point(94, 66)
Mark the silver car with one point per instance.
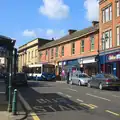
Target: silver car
point(80, 79)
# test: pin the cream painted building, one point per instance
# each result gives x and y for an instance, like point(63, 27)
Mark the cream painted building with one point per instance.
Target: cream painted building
point(28, 53)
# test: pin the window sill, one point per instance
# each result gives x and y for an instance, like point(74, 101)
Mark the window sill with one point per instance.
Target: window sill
point(107, 22)
point(92, 50)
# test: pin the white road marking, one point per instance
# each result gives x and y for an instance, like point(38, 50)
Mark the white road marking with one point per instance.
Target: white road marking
point(68, 96)
point(116, 96)
point(2, 92)
point(98, 97)
point(71, 89)
point(79, 100)
point(60, 93)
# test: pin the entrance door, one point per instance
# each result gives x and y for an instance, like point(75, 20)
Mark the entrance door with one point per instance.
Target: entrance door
point(118, 69)
point(109, 68)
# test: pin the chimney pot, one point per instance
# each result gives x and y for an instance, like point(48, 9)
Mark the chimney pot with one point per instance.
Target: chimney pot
point(70, 31)
point(94, 23)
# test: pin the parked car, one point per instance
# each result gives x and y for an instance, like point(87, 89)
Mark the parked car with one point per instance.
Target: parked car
point(103, 80)
point(19, 79)
point(80, 78)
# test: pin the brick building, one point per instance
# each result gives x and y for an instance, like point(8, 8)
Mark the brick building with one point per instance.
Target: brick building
point(109, 12)
point(77, 50)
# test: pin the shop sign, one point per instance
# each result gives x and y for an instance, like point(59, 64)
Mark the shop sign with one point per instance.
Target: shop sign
point(114, 57)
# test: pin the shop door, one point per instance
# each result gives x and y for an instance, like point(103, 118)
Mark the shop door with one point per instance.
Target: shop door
point(109, 68)
point(118, 69)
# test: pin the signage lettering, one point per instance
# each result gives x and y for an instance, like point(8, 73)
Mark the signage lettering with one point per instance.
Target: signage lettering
point(114, 57)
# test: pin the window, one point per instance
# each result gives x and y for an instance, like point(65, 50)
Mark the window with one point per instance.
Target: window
point(118, 8)
point(32, 55)
point(52, 53)
point(56, 52)
point(46, 53)
point(92, 43)
point(118, 35)
point(35, 53)
point(107, 14)
point(73, 48)
point(82, 46)
point(107, 40)
point(40, 55)
point(62, 51)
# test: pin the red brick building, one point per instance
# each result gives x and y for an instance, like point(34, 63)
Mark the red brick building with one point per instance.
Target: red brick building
point(77, 50)
point(110, 36)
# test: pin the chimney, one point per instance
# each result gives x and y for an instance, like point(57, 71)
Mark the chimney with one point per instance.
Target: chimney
point(71, 31)
point(94, 23)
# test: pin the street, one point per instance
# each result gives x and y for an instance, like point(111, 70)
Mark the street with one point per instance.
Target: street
point(60, 101)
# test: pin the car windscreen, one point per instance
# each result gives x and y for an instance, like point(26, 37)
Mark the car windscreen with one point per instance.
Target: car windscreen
point(110, 76)
point(83, 76)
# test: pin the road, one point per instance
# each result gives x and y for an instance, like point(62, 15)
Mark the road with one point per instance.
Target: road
point(60, 101)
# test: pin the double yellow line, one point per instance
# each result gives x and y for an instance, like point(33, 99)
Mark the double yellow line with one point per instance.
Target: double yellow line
point(34, 116)
point(113, 113)
point(91, 106)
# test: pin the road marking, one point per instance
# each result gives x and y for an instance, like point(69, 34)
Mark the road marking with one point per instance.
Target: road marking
point(71, 89)
point(79, 100)
point(34, 116)
point(68, 96)
point(112, 112)
point(60, 93)
point(87, 105)
point(116, 96)
point(93, 105)
point(98, 97)
point(2, 92)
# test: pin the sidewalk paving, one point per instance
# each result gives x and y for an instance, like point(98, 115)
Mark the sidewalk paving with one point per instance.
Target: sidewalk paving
point(4, 115)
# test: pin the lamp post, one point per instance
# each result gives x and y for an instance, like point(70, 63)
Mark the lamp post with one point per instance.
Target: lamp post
point(104, 40)
point(81, 64)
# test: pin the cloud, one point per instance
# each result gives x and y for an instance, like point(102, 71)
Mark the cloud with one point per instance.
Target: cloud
point(29, 33)
point(44, 33)
point(92, 9)
point(54, 9)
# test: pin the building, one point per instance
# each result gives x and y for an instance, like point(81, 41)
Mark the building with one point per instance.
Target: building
point(28, 53)
point(109, 12)
point(78, 50)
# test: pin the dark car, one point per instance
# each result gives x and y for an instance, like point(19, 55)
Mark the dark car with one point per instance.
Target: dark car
point(19, 79)
point(103, 80)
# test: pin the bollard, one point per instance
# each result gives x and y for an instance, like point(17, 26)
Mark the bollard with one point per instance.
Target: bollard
point(14, 102)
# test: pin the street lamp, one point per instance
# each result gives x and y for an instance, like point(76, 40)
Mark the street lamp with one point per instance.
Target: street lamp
point(104, 40)
point(81, 63)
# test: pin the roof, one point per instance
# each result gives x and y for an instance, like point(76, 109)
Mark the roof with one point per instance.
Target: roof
point(73, 36)
point(33, 40)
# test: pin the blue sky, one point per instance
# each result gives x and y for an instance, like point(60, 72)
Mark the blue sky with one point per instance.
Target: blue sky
point(25, 20)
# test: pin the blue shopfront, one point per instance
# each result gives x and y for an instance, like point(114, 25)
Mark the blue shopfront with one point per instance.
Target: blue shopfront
point(110, 63)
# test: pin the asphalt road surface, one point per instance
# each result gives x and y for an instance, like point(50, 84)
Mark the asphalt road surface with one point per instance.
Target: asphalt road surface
point(60, 101)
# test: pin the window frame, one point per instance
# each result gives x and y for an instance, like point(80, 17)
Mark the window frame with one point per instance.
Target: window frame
point(117, 34)
point(117, 8)
point(62, 50)
point(92, 43)
point(56, 51)
point(52, 53)
point(73, 48)
point(82, 46)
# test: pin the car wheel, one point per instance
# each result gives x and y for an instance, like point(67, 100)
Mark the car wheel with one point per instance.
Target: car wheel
point(100, 86)
point(89, 85)
point(79, 83)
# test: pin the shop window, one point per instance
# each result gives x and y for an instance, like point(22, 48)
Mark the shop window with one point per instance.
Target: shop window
point(107, 14)
point(82, 46)
point(118, 8)
point(73, 48)
point(118, 35)
point(92, 43)
point(62, 51)
point(107, 40)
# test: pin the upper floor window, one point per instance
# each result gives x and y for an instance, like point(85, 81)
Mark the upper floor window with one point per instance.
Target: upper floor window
point(73, 48)
point(107, 40)
point(52, 53)
point(35, 53)
point(56, 52)
point(107, 14)
point(82, 45)
point(40, 55)
point(118, 36)
point(118, 8)
point(46, 52)
point(92, 42)
point(32, 55)
point(62, 51)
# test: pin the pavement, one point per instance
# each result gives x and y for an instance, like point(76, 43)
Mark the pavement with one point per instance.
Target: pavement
point(4, 115)
point(59, 101)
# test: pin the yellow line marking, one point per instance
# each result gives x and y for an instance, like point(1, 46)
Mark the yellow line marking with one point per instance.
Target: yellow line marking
point(93, 105)
point(87, 105)
point(112, 112)
point(34, 116)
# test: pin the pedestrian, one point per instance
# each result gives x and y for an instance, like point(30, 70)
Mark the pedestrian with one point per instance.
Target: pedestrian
point(68, 77)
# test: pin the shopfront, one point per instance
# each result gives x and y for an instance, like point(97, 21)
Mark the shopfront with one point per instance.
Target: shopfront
point(110, 63)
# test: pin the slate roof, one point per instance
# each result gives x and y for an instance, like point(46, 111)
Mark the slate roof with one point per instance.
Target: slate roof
point(73, 36)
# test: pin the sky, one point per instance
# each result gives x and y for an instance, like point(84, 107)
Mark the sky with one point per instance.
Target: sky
point(24, 20)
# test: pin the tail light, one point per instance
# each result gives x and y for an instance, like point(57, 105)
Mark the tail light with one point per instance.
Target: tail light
point(108, 80)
